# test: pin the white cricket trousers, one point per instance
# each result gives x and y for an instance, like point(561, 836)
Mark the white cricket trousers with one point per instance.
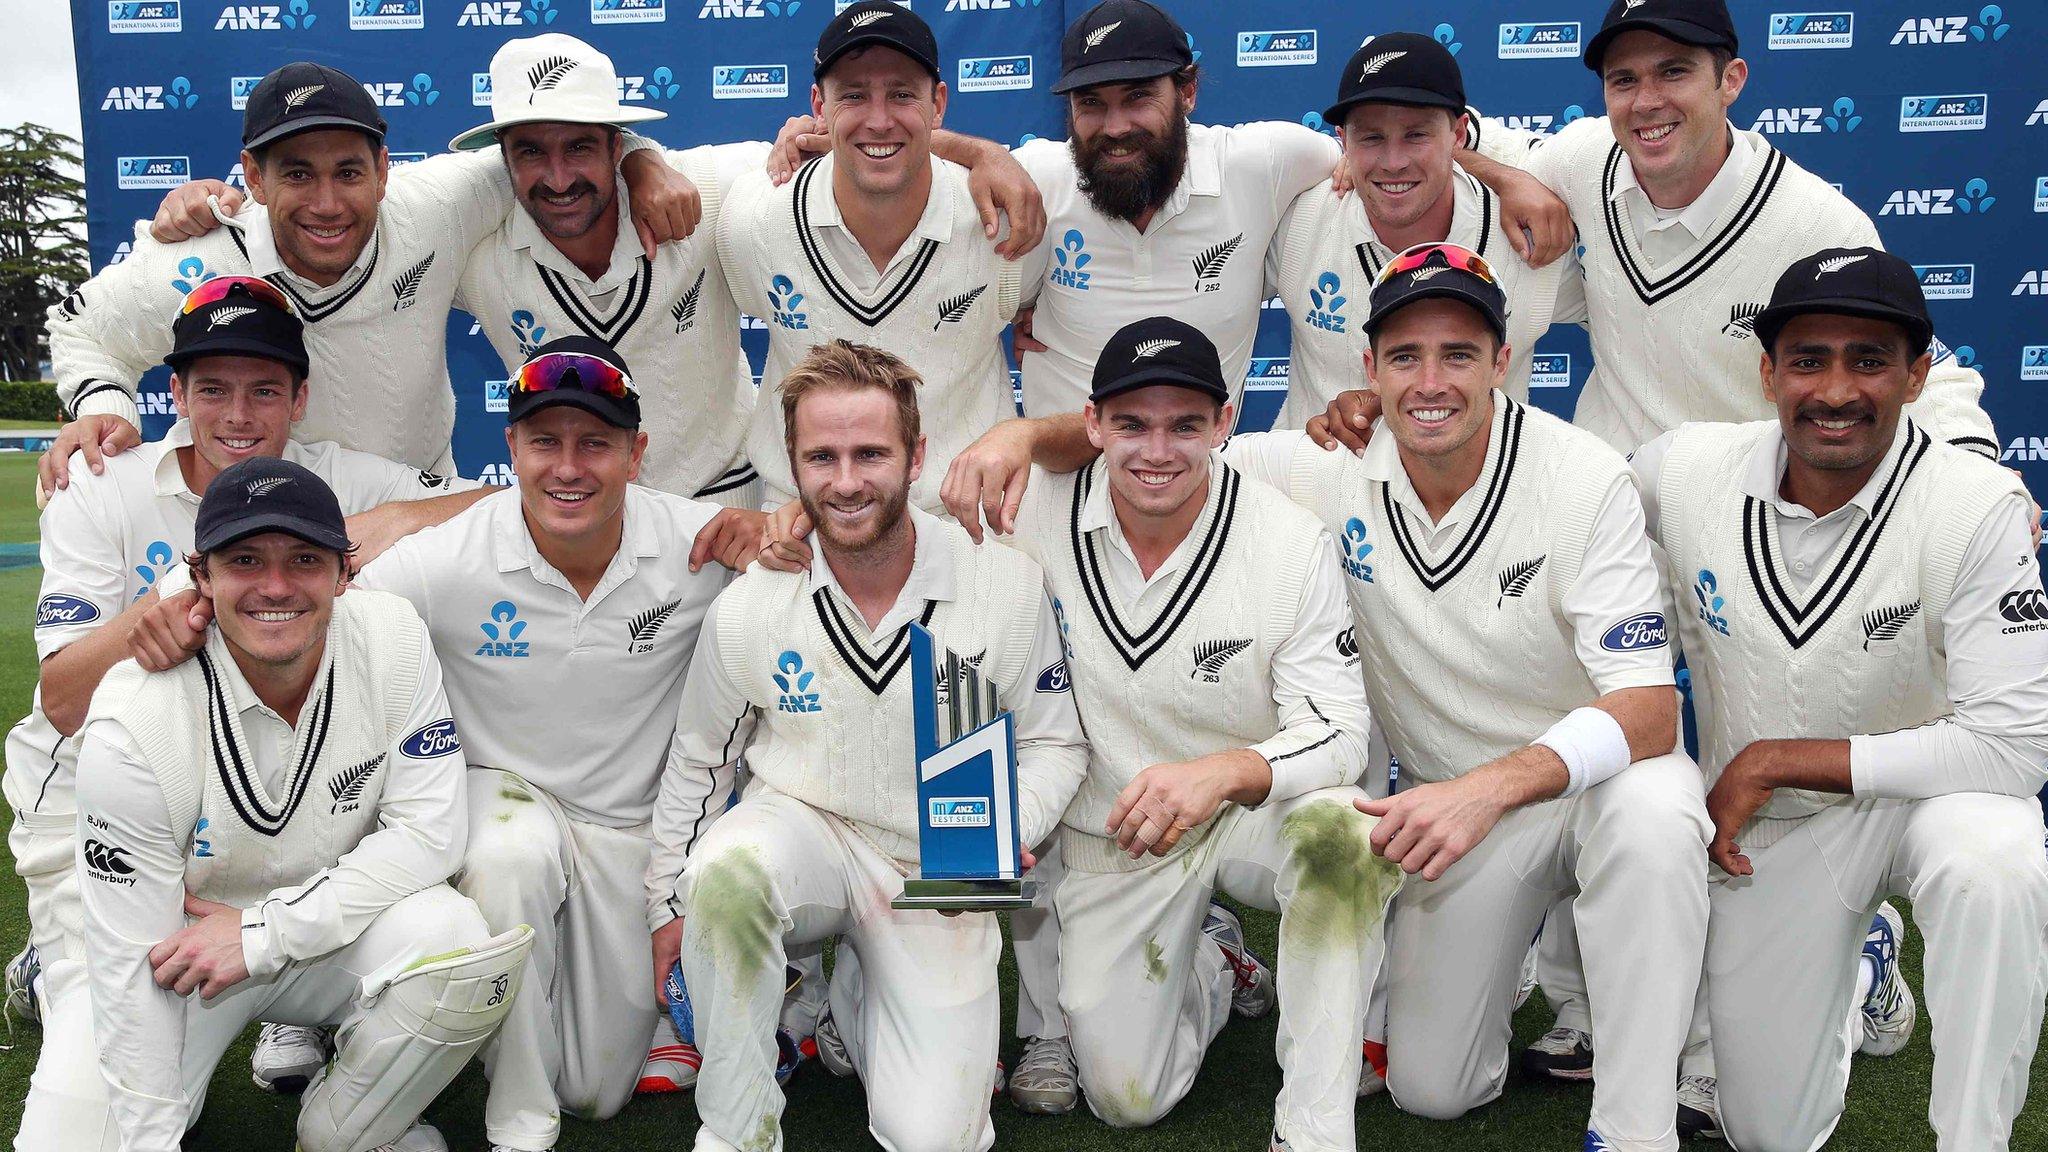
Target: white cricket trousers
point(68, 1105)
point(1035, 942)
point(1782, 958)
point(578, 1034)
point(1634, 848)
point(1144, 991)
point(919, 1009)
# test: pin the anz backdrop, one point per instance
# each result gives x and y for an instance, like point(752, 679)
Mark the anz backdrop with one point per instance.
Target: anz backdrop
point(1932, 115)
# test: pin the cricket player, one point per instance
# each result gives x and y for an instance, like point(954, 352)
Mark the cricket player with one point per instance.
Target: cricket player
point(1862, 620)
point(239, 364)
point(1402, 118)
point(1535, 732)
point(803, 671)
point(216, 891)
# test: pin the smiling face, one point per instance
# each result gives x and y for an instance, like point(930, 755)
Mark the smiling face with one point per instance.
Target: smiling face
point(1400, 160)
point(1839, 383)
point(273, 595)
point(1155, 441)
point(322, 189)
point(573, 470)
point(853, 466)
point(1434, 364)
point(563, 174)
point(1668, 106)
point(882, 107)
point(239, 406)
point(1130, 142)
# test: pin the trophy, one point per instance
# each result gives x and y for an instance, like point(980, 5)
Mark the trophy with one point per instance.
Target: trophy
point(966, 789)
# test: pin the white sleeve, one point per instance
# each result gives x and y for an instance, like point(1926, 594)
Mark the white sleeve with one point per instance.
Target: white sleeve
point(1299, 158)
point(85, 575)
point(734, 235)
point(1951, 405)
point(1616, 605)
point(131, 882)
point(714, 723)
point(399, 572)
point(1569, 305)
point(368, 480)
point(1043, 161)
point(1494, 140)
point(422, 829)
point(1647, 463)
point(117, 326)
point(462, 196)
point(729, 161)
point(1052, 750)
point(1317, 690)
point(1996, 739)
point(1267, 457)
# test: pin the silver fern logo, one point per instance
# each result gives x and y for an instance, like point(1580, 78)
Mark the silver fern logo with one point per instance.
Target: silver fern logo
point(867, 18)
point(1096, 37)
point(1373, 65)
point(261, 488)
point(549, 73)
point(1837, 263)
point(228, 315)
point(298, 96)
point(407, 285)
point(347, 786)
point(646, 625)
point(1209, 265)
point(1632, 5)
point(1151, 348)
point(1517, 578)
point(1211, 656)
point(1886, 623)
point(1742, 320)
point(1422, 274)
point(955, 310)
point(685, 311)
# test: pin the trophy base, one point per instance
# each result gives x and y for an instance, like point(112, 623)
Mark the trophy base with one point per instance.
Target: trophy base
point(990, 895)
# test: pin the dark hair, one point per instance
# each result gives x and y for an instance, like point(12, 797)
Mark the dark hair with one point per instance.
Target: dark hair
point(196, 561)
point(1721, 57)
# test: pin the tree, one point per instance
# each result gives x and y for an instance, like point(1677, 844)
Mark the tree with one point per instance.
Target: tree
point(42, 240)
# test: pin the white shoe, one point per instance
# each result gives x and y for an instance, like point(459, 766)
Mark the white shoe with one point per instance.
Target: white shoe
point(1254, 994)
point(1698, 1112)
point(832, 1053)
point(1561, 1054)
point(286, 1058)
point(24, 987)
point(421, 1137)
point(669, 1068)
point(1889, 1012)
point(1046, 1082)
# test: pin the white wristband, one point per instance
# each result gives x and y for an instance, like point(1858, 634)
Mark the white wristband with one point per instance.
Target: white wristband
point(1591, 744)
point(175, 579)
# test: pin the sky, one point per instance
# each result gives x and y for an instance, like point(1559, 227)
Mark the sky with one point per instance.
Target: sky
point(40, 82)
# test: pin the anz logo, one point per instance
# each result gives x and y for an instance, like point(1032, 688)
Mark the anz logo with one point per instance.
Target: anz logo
point(364, 15)
point(1976, 198)
point(749, 81)
point(1069, 259)
point(128, 16)
point(1989, 26)
point(784, 301)
point(1796, 31)
point(1356, 550)
point(747, 9)
point(1547, 124)
point(530, 333)
point(659, 84)
point(1839, 117)
point(1706, 590)
point(156, 561)
point(297, 16)
point(498, 475)
point(1326, 303)
point(150, 97)
point(795, 685)
point(502, 632)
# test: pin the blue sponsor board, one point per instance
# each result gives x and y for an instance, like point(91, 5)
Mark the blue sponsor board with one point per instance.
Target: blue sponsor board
point(1539, 41)
point(152, 171)
point(1550, 370)
point(1799, 31)
point(994, 74)
point(382, 15)
point(749, 81)
point(127, 16)
point(1947, 281)
point(1959, 113)
point(628, 11)
point(1289, 49)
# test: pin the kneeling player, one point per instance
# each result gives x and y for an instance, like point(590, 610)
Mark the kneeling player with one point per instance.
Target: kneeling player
point(199, 797)
point(1862, 622)
point(806, 672)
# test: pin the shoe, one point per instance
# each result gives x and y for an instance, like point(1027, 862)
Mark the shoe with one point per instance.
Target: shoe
point(669, 1068)
point(1528, 984)
point(1562, 1054)
point(1046, 1082)
point(1698, 1114)
point(789, 1055)
point(1372, 1079)
point(1002, 1083)
point(1889, 1012)
point(1595, 1142)
point(287, 1056)
point(421, 1137)
point(1254, 994)
point(24, 995)
point(831, 1047)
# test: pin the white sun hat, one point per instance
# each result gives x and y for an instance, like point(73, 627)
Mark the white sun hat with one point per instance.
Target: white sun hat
point(553, 78)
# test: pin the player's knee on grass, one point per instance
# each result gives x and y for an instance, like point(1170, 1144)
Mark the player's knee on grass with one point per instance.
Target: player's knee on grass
point(732, 909)
point(1436, 1090)
point(502, 857)
point(1122, 1093)
point(913, 1121)
point(1996, 873)
point(1340, 888)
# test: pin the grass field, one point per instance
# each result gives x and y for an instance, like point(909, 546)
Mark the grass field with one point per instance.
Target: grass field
point(1229, 1108)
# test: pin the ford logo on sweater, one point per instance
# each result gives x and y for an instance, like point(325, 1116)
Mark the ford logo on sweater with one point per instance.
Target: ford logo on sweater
point(436, 739)
point(57, 609)
point(1635, 633)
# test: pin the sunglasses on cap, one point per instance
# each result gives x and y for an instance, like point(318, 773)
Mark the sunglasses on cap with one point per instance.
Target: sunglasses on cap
point(1463, 259)
point(574, 372)
point(218, 289)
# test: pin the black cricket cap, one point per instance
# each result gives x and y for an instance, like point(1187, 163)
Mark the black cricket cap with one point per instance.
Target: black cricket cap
point(1120, 42)
point(303, 96)
point(1436, 278)
point(1399, 68)
point(619, 412)
point(1868, 282)
point(1158, 350)
point(876, 22)
point(266, 494)
point(1700, 23)
point(238, 324)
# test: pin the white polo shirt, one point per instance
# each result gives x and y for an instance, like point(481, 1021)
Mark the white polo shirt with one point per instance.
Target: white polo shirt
point(577, 697)
point(107, 539)
point(1202, 259)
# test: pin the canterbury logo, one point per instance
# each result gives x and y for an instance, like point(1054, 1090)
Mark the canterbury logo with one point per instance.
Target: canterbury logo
point(228, 316)
point(1886, 623)
point(1210, 658)
point(263, 487)
point(408, 283)
point(867, 18)
point(1517, 578)
point(2028, 606)
point(685, 311)
point(1096, 37)
point(1378, 62)
point(298, 96)
point(955, 310)
point(1210, 263)
point(644, 626)
point(347, 787)
point(548, 73)
point(1837, 263)
point(1421, 274)
point(1151, 348)
point(1742, 320)
point(107, 858)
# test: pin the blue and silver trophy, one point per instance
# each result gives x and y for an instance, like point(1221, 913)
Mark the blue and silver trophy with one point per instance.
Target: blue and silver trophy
point(966, 789)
